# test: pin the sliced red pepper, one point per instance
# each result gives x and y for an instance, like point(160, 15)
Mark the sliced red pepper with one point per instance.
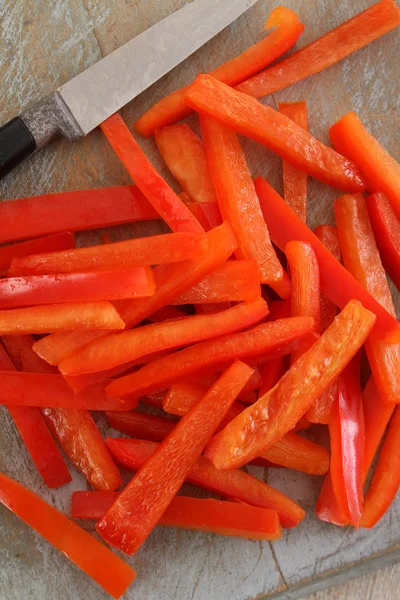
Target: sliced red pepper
point(361, 258)
point(160, 195)
point(336, 282)
point(136, 512)
point(269, 339)
point(97, 561)
point(215, 516)
point(60, 317)
point(277, 132)
point(327, 508)
point(133, 454)
point(57, 346)
point(183, 153)
point(262, 424)
point(382, 172)
point(183, 395)
point(327, 50)
point(114, 350)
point(304, 273)
point(33, 290)
point(75, 430)
point(272, 371)
point(172, 108)
point(37, 438)
point(295, 181)
point(346, 429)
point(153, 250)
point(154, 399)
point(141, 425)
point(72, 211)
point(234, 281)
point(50, 243)
point(50, 390)
point(208, 214)
point(387, 234)
point(166, 313)
point(81, 382)
point(386, 480)
point(212, 308)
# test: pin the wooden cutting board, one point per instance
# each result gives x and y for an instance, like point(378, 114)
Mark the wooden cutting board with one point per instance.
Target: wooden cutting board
point(43, 43)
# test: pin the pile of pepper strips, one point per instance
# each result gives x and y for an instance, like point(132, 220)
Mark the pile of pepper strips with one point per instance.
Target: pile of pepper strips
point(203, 335)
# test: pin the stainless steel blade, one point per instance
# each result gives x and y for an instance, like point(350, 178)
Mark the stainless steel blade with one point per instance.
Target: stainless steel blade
point(112, 82)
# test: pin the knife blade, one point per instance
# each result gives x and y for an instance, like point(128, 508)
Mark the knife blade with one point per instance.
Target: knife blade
point(82, 103)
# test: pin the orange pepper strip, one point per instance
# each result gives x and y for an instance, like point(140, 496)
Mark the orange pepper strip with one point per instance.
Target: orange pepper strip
point(361, 258)
point(160, 195)
point(263, 124)
point(172, 108)
point(37, 438)
point(133, 454)
point(382, 172)
point(119, 349)
point(327, 50)
point(135, 513)
point(207, 214)
point(269, 339)
point(336, 282)
point(239, 204)
point(214, 516)
point(138, 252)
point(97, 561)
point(263, 423)
point(387, 234)
point(295, 181)
point(183, 153)
point(304, 273)
point(75, 430)
point(386, 479)
point(234, 281)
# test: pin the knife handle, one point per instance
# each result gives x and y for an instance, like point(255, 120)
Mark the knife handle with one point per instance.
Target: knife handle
point(16, 144)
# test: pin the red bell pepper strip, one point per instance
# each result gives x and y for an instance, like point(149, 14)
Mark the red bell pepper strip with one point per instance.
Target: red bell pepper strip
point(327, 50)
point(212, 308)
point(361, 258)
point(119, 349)
point(269, 339)
point(80, 382)
point(166, 313)
point(50, 243)
point(97, 561)
point(262, 424)
point(136, 512)
point(183, 395)
point(57, 346)
point(154, 399)
point(263, 124)
point(160, 195)
point(48, 390)
point(133, 454)
point(141, 425)
point(346, 429)
point(234, 281)
point(387, 234)
point(295, 181)
point(304, 273)
point(336, 282)
point(327, 508)
point(386, 480)
point(382, 172)
point(139, 252)
point(37, 438)
point(239, 204)
point(208, 214)
point(172, 108)
point(75, 430)
point(214, 516)
point(72, 211)
point(33, 290)
point(78, 316)
point(272, 371)
point(183, 153)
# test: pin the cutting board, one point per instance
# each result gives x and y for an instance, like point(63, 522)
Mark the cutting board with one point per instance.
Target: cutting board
point(43, 43)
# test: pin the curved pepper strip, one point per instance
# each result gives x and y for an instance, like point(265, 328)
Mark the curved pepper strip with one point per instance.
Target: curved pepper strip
point(136, 512)
point(336, 282)
point(263, 423)
point(263, 124)
point(97, 561)
point(327, 50)
point(172, 108)
point(387, 234)
point(382, 172)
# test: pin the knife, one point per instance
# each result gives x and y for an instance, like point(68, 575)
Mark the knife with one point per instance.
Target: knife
point(81, 104)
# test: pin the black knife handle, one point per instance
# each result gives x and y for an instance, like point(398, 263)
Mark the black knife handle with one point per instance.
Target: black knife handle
point(16, 144)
